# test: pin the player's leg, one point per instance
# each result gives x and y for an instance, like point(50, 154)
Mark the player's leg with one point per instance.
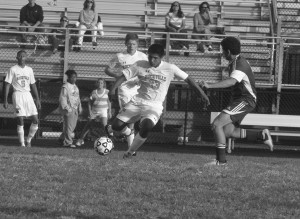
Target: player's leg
point(20, 130)
point(130, 137)
point(32, 130)
point(84, 132)
point(218, 124)
point(70, 120)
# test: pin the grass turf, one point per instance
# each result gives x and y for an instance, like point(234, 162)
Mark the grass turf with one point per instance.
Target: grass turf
point(46, 181)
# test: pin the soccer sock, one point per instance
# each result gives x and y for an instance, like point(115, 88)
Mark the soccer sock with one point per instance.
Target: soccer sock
point(126, 131)
point(243, 133)
point(137, 142)
point(20, 130)
point(32, 130)
point(220, 153)
point(130, 139)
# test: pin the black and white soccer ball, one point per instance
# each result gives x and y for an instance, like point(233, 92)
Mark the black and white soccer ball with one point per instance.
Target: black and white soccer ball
point(103, 145)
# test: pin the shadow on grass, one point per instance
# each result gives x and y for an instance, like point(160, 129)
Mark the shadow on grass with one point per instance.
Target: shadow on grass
point(42, 212)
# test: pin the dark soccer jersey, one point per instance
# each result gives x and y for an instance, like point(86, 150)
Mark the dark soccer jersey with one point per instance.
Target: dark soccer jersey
point(241, 70)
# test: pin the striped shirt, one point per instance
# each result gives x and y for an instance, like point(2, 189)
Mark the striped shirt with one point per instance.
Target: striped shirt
point(99, 101)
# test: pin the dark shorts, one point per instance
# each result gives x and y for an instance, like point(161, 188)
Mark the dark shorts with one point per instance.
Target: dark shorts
point(238, 109)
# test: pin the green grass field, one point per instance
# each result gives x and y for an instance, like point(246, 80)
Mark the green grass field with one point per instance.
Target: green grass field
point(47, 181)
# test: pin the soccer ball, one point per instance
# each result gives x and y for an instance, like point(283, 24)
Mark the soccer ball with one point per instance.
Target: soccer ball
point(103, 145)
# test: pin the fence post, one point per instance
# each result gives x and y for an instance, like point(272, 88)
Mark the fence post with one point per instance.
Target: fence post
point(66, 55)
point(167, 46)
point(280, 72)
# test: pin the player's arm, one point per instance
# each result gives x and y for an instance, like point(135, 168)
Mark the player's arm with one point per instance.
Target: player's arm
point(222, 84)
point(109, 109)
point(113, 72)
point(191, 82)
point(63, 100)
point(36, 94)
point(117, 83)
point(6, 91)
point(90, 103)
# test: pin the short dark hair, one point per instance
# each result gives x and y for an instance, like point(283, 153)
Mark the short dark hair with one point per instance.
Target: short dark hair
point(232, 44)
point(104, 81)
point(21, 51)
point(69, 73)
point(204, 3)
point(157, 49)
point(131, 36)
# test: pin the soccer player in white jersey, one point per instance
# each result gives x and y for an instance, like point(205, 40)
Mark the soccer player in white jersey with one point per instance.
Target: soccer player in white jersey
point(241, 79)
point(154, 77)
point(21, 77)
point(122, 61)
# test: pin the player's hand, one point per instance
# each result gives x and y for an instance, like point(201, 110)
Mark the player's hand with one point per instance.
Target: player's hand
point(38, 104)
point(5, 105)
point(109, 114)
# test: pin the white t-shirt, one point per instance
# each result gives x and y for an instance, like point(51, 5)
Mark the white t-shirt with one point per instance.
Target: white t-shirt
point(125, 60)
point(154, 82)
point(20, 78)
point(174, 20)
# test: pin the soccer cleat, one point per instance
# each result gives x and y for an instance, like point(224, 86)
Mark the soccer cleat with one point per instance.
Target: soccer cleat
point(79, 142)
point(72, 146)
point(267, 139)
point(216, 163)
point(109, 131)
point(128, 154)
point(133, 154)
point(28, 144)
point(23, 145)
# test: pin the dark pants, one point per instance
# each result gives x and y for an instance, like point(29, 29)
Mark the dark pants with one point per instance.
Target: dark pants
point(56, 41)
point(24, 28)
point(178, 44)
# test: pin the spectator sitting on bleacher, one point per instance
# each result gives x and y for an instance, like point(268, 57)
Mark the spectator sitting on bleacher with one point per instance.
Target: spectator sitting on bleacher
point(175, 22)
point(88, 19)
point(31, 15)
point(60, 39)
point(202, 21)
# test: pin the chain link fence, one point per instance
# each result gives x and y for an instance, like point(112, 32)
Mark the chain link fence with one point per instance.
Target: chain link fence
point(185, 114)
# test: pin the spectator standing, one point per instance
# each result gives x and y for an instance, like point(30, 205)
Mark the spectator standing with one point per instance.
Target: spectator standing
point(99, 109)
point(21, 77)
point(88, 19)
point(31, 16)
point(70, 108)
point(202, 21)
point(226, 124)
point(61, 36)
point(175, 22)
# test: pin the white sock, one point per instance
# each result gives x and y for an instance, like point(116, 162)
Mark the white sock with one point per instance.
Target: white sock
point(32, 131)
point(130, 139)
point(126, 131)
point(137, 142)
point(20, 130)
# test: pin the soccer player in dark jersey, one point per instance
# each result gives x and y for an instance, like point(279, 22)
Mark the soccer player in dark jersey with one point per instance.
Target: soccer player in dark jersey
point(241, 79)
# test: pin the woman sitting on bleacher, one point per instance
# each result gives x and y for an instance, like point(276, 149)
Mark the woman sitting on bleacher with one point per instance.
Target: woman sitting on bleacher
point(88, 19)
point(175, 22)
point(202, 20)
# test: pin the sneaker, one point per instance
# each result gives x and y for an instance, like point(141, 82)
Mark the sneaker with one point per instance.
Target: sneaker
point(23, 145)
point(267, 139)
point(79, 142)
point(184, 48)
point(72, 146)
point(210, 48)
point(133, 154)
point(95, 44)
point(216, 163)
point(109, 131)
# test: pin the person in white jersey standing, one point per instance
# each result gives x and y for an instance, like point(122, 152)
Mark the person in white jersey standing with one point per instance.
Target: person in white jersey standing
point(128, 88)
point(21, 78)
point(154, 77)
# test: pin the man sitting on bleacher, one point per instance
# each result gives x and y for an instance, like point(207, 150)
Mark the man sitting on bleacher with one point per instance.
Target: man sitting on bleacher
point(31, 16)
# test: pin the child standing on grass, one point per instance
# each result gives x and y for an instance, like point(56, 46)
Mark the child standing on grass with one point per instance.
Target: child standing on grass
point(70, 108)
point(99, 108)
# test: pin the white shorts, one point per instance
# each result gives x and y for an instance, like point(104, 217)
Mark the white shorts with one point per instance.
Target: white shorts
point(99, 114)
point(134, 112)
point(24, 104)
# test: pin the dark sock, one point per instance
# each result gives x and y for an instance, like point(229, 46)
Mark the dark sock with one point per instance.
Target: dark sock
point(220, 153)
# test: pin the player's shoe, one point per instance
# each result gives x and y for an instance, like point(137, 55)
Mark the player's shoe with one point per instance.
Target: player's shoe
point(133, 154)
point(267, 139)
point(23, 145)
point(72, 146)
point(216, 163)
point(128, 154)
point(109, 131)
point(79, 142)
point(28, 144)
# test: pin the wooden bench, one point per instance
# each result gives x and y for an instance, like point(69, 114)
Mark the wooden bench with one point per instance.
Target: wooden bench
point(277, 122)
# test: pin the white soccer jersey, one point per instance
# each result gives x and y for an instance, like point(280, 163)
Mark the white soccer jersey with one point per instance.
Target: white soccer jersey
point(125, 60)
point(154, 82)
point(20, 78)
